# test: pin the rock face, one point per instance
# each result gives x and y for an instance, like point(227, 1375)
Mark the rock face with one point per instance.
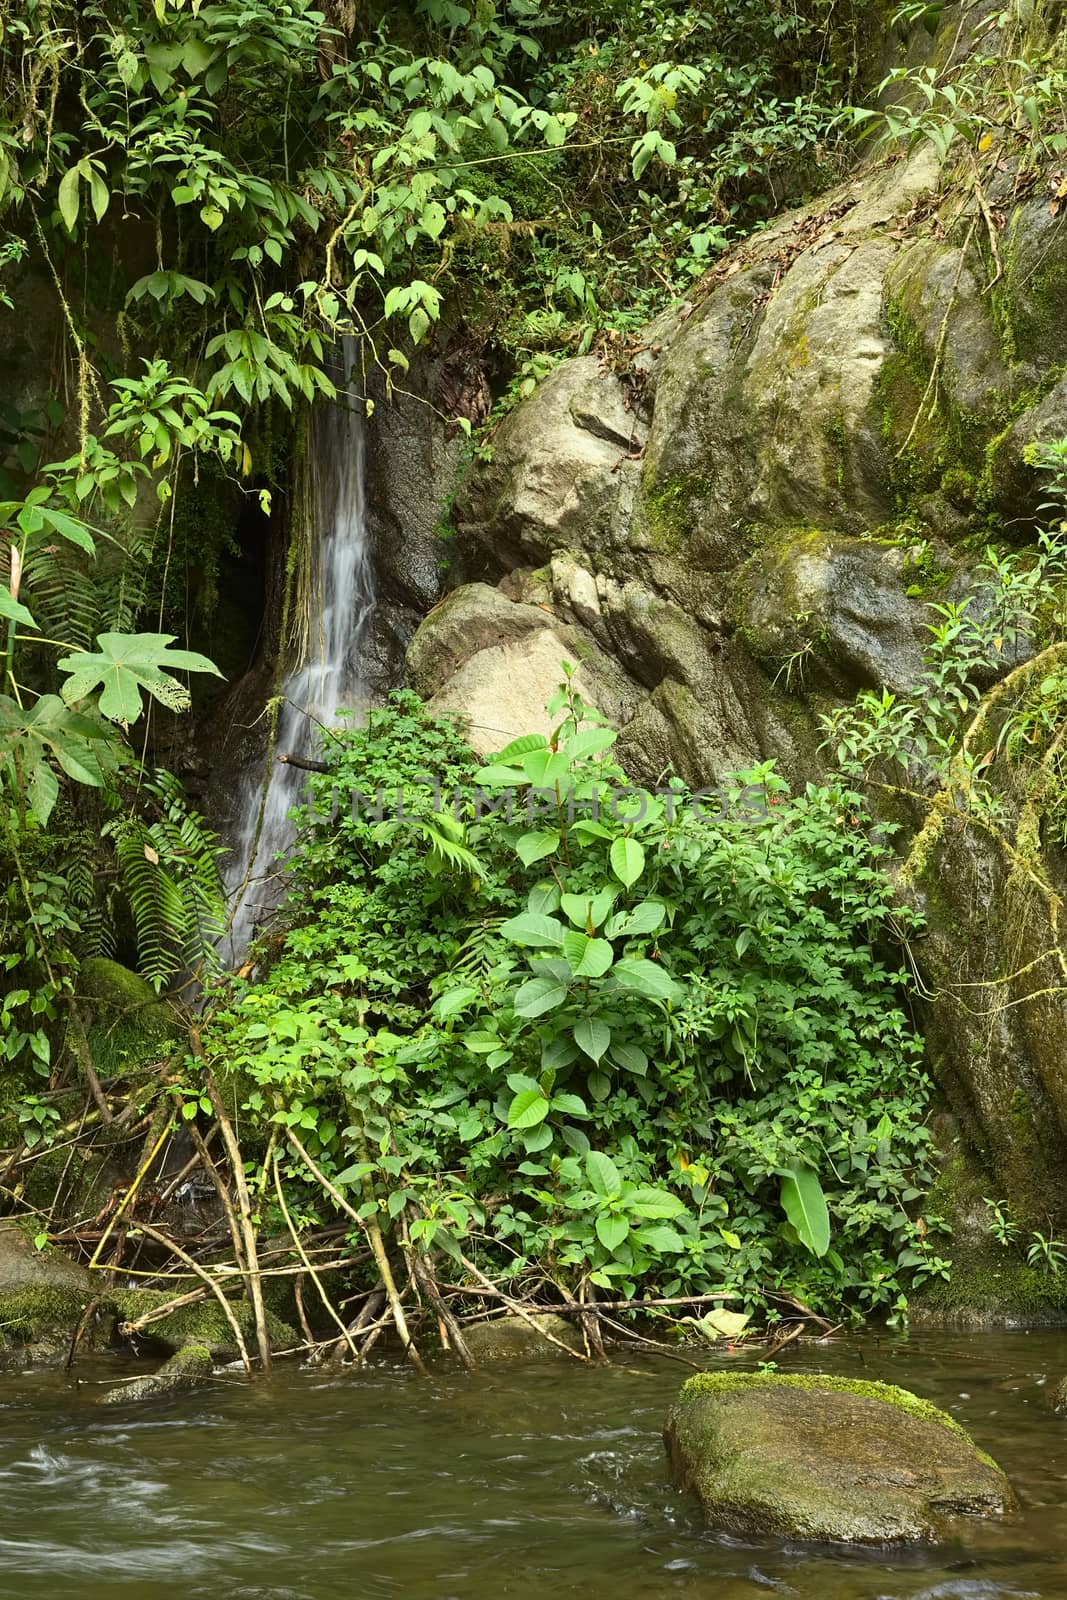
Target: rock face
point(826, 1459)
point(745, 522)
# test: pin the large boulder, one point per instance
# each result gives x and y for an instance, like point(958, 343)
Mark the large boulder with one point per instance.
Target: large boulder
point(43, 1298)
point(520, 1338)
point(827, 1459)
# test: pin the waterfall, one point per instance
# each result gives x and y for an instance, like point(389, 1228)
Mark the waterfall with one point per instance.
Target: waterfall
point(330, 678)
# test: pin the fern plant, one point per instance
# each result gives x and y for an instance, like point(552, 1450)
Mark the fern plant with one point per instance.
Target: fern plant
point(169, 874)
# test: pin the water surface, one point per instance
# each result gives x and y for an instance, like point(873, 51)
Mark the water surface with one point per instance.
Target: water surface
point(525, 1482)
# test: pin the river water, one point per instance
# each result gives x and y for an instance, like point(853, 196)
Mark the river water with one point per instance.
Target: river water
point(523, 1481)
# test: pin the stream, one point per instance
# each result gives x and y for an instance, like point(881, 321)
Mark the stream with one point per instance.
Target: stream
point(524, 1481)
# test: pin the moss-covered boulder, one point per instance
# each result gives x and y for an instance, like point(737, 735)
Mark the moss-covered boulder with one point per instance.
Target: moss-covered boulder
point(201, 1323)
point(827, 1459)
point(185, 1369)
point(513, 1338)
point(43, 1297)
point(126, 1022)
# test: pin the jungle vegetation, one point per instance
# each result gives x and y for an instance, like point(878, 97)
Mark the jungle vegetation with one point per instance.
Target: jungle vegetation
point(593, 1057)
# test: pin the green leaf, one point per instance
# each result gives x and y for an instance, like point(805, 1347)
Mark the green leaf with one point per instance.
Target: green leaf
point(569, 1105)
point(631, 1058)
point(611, 1231)
point(99, 194)
point(69, 197)
point(592, 1036)
point(527, 1109)
point(596, 960)
point(603, 1175)
point(648, 1202)
point(453, 1000)
point(804, 1203)
point(126, 664)
point(627, 861)
point(535, 846)
point(530, 929)
point(14, 609)
point(647, 978)
point(533, 999)
point(643, 918)
point(667, 1240)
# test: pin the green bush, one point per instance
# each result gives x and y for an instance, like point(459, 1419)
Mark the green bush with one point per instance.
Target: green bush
point(657, 1049)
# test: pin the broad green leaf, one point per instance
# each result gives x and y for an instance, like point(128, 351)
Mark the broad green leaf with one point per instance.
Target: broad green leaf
point(527, 1109)
point(804, 1204)
point(535, 846)
point(648, 1202)
point(69, 197)
point(596, 959)
point(14, 609)
point(631, 1058)
point(611, 1231)
point(569, 1105)
point(453, 1000)
point(647, 978)
point(518, 747)
point(627, 861)
point(533, 999)
point(531, 929)
point(660, 1237)
point(590, 742)
point(592, 1037)
point(643, 918)
point(603, 1175)
point(126, 664)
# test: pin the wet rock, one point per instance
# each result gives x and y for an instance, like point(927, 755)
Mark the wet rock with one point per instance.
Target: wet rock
point(201, 1323)
point(513, 1339)
point(827, 1459)
point(43, 1297)
point(186, 1369)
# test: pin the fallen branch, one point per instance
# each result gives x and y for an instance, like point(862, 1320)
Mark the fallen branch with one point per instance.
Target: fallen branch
point(520, 1311)
point(374, 1239)
point(215, 1288)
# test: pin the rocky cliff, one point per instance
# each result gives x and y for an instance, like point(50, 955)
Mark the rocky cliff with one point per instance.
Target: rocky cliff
point(743, 521)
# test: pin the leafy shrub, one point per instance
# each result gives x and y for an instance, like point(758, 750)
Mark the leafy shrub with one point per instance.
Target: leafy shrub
point(608, 1043)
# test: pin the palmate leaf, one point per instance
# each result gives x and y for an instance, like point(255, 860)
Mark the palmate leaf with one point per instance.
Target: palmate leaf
point(127, 664)
point(84, 747)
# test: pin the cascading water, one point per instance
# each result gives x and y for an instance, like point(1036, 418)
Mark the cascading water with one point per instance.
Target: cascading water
point(330, 678)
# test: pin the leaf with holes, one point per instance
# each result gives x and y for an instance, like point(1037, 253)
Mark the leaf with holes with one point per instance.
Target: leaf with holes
point(127, 664)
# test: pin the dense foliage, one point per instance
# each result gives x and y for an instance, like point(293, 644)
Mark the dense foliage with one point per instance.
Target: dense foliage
point(606, 1046)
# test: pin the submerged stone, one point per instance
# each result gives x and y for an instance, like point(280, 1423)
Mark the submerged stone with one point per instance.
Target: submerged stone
point(827, 1459)
point(513, 1339)
point(187, 1368)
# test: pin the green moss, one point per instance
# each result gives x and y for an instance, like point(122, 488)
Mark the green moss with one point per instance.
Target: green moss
point(733, 1382)
point(203, 1323)
point(128, 1023)
point(40, 1313)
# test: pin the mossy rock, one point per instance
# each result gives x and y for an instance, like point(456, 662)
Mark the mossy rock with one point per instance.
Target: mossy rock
point(828, 1459)
point(202, 1323)
point(126, 1021)
point(186, 1369)
point(43, 1297)
point(513, 1339)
